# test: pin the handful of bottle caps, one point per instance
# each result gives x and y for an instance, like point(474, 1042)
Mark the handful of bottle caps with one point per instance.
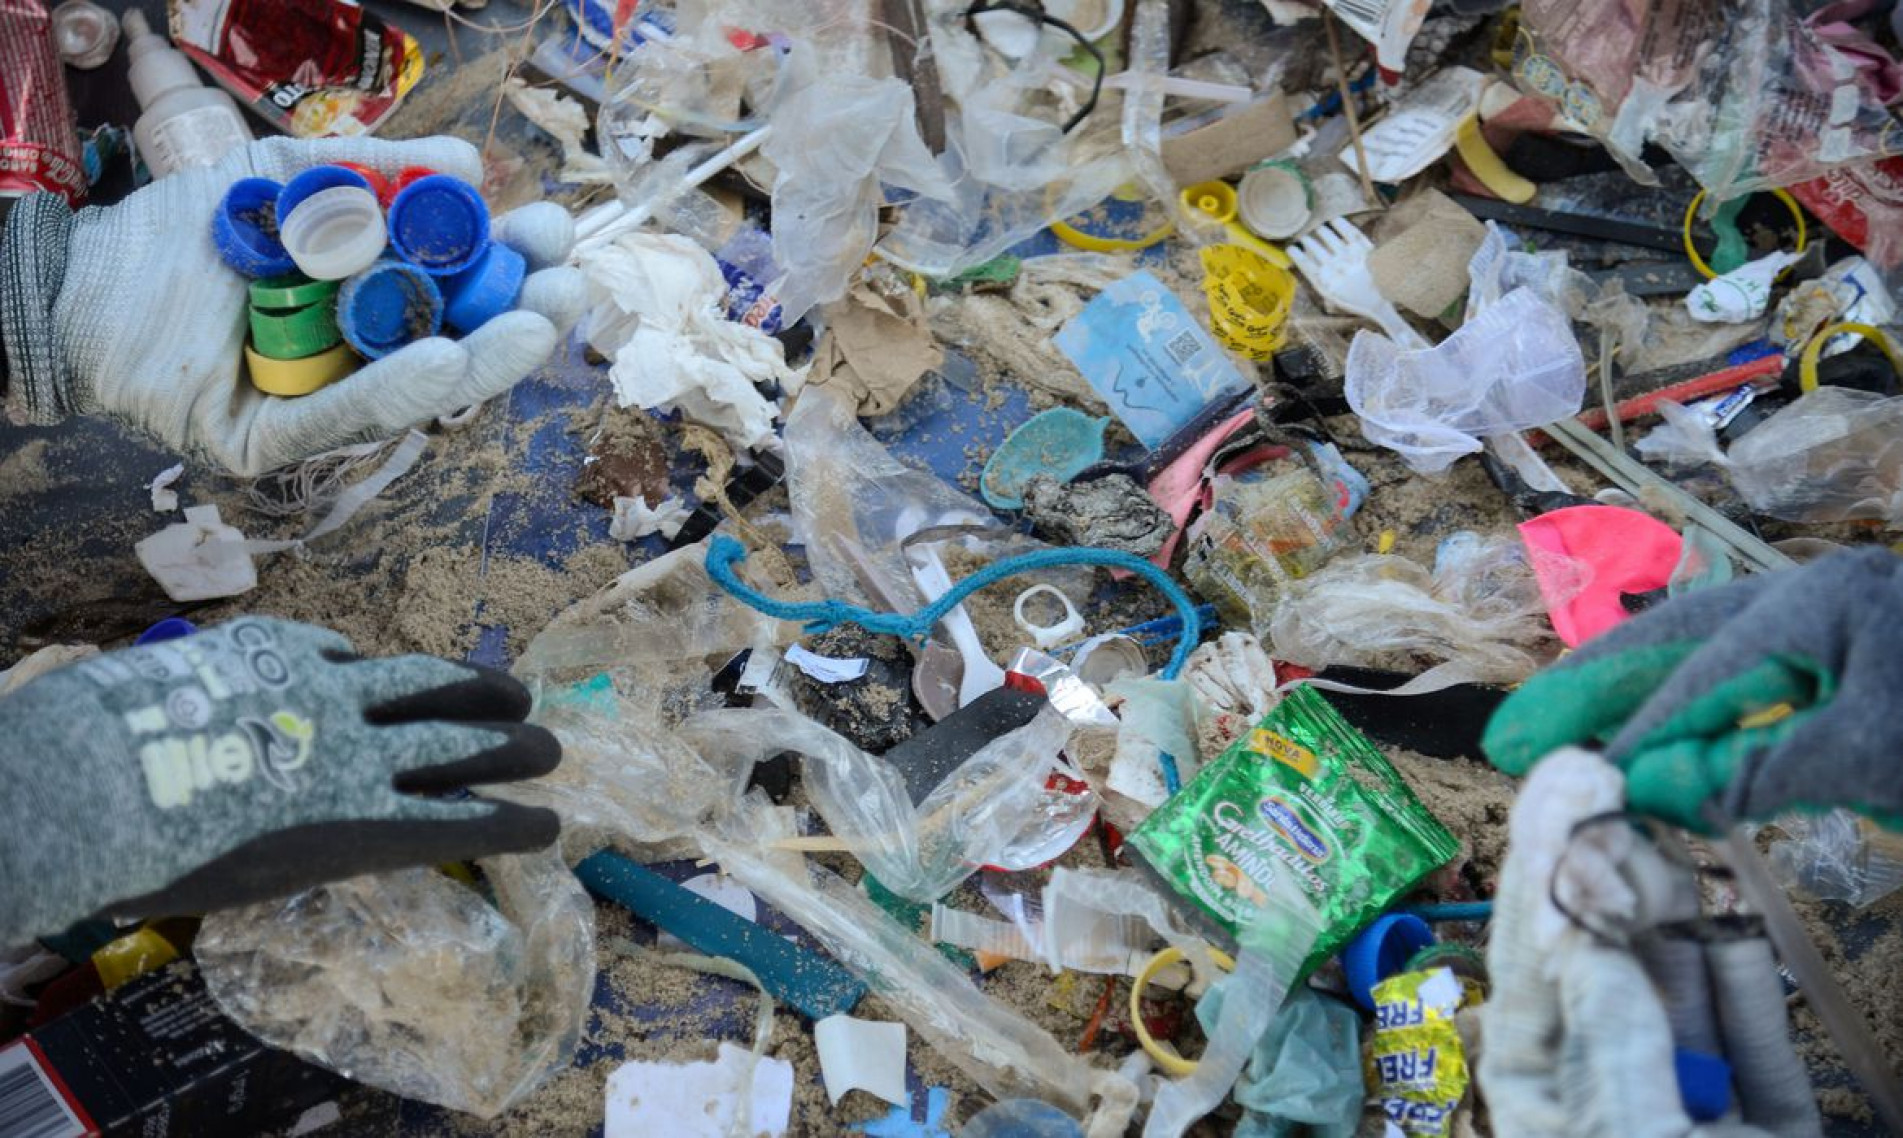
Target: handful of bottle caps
point(346, 264)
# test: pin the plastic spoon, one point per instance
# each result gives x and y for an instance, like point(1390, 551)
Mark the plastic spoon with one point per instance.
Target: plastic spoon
point(981, 675)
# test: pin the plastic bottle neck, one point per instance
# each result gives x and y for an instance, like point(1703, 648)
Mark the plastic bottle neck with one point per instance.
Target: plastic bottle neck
point(157, 67)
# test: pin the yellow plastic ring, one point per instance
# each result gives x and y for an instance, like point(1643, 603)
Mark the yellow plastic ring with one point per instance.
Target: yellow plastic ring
point(1091, 243)
point(1165, 1055)
point(1698, 262)
point(299, 377)
point(1807, 363)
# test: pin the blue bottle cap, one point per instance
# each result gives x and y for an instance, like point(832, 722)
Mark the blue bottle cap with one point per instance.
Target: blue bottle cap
point(171, 628)
point(440, 224)
point(1704, 1084)
point(244, 227)
point(388, 305)
point(484, 290)
point(314, 180)
point(1381, 950)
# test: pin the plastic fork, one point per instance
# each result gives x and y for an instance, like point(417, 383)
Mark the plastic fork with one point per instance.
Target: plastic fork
point(1334, 259)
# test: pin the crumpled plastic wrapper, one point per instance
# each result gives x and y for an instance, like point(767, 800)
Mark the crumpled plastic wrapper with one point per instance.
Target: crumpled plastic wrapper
point(414, 983)
point(1111, 512)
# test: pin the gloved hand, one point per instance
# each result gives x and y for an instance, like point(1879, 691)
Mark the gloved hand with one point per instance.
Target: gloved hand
point(1579, 1031)
point(1685, 697)
point(246, 762)
point(129, 311)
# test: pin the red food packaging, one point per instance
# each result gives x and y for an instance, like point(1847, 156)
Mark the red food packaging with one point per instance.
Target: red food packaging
point(1863, 204)
point(311, 68)
point(39, 146)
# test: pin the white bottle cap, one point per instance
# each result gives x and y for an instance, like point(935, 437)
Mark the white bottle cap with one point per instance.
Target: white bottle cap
point(85, 33)
point(335, 233)
point(1274, 201)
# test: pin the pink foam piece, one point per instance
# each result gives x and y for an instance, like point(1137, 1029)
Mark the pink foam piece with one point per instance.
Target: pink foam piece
point(1622, 551)
point(1179, 486)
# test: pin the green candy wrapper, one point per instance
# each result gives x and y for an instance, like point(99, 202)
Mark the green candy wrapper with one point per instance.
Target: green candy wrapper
point(1301, 813)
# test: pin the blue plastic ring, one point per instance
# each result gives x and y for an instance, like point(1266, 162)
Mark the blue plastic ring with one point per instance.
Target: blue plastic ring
point(1381, 950)
point(244, 227)
point(388, 305)
point(171, 628)
point(315, 180)
point(439, 224)
point(484, 290)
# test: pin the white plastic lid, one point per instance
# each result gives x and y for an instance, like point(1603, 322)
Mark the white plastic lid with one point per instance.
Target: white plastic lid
point(1273, 201)
point(335, 233)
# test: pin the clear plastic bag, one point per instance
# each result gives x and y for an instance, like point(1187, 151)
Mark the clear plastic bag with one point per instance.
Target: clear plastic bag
point(837, 142)
point(412, 982)
point(1838, 856)
point(1833, 455)
point(1479, 609)
point(917, 852)
point(1741, 92)
point(1515, 365)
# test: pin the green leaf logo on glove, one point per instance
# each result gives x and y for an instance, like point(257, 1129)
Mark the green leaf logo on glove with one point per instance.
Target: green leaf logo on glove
point(180, 767)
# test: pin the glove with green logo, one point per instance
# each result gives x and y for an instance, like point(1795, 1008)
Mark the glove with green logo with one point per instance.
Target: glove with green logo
point(246, 762)
point(1768, 694)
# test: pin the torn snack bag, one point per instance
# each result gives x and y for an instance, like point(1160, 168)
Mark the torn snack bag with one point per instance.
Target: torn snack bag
point(313, 69)
point(1301, 811)
point(1416, 1066)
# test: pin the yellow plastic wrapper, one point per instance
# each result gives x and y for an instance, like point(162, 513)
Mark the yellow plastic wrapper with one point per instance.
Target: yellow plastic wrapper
point(1416, 1066)
point(1248, 300)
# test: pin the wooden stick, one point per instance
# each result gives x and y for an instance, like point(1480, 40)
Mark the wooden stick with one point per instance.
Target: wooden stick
point(1348, 107)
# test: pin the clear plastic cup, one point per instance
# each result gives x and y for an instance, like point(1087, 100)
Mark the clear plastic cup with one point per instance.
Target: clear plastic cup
point(334, 233)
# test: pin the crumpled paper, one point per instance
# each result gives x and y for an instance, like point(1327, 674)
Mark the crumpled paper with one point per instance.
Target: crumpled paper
point(876, 347)
point(656, 311)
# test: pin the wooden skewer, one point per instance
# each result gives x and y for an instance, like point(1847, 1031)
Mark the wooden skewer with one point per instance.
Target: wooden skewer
point(1348, 106)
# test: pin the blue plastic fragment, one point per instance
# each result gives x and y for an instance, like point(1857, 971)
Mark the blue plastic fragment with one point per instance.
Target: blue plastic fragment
point(244, 228)
point(484, 290)
point(1060, 442)
point(791, 974)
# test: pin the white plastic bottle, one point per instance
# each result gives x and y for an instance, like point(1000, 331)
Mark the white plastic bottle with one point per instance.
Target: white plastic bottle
point(184, 122)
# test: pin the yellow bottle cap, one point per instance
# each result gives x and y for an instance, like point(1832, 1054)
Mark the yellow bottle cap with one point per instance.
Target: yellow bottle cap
point(299, 377)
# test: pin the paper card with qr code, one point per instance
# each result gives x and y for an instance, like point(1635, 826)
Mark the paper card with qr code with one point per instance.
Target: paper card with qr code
point(1149, 359)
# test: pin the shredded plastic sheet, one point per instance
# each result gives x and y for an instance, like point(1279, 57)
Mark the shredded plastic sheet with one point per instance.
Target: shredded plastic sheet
point(1838, 856)
point(413, 983)
point(1743, 93)
point(1833, 455)
point(919, 852)
point(656, 310)
point(1478, 616)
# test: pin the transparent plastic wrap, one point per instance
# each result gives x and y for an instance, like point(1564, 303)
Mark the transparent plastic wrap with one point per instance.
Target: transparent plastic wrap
point(1006, 1054)
point(1743, 93)
point(1515, 365)
point(1838, 856)
point(853, 504)
point(837, 142)
point(413, 982)
point(654, 631)
point(917, 852)
point(1833, 455)
point(624, 777)
point(1480, 611)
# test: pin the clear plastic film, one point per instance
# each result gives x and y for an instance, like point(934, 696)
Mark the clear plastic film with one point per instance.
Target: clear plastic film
point(997, 1047)
point(413, 982)
point(917, 852)
point(1837, 856)
point(1478, 613)
point(1745, 94)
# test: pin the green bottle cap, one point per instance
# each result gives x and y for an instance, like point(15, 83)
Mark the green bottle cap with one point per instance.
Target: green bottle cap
point(293, 334)
point(292, 290)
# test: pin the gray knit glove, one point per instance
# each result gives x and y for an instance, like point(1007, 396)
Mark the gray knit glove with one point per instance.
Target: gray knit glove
point(129, 311)
point(247, 762)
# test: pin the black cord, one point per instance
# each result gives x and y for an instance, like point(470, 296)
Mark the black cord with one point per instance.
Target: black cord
point(1034, 11)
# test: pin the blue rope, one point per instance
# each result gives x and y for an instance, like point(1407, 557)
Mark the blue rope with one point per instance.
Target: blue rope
point(723, 553)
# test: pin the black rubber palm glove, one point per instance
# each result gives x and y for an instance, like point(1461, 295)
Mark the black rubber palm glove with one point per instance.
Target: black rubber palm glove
point(1774, 693)
point(246, 762)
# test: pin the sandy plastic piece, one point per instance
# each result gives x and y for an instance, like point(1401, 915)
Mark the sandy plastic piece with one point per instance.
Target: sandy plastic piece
point(413, 982)
point(164, 498)
point(722, 891)
point(1838, 856)
point(1055, 633)
point(1060, 442)
point(1739, 295)
point(698, 1100)
point(200, 558)
point(862, 1055)
point(1415, 134)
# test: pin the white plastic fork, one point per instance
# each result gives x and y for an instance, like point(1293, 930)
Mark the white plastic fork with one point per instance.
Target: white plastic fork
point(1334, 258)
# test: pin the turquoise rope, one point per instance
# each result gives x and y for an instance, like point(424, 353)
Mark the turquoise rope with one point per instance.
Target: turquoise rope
point(723, 553)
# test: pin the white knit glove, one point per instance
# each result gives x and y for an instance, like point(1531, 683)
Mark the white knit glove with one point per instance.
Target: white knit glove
point(147, 324)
